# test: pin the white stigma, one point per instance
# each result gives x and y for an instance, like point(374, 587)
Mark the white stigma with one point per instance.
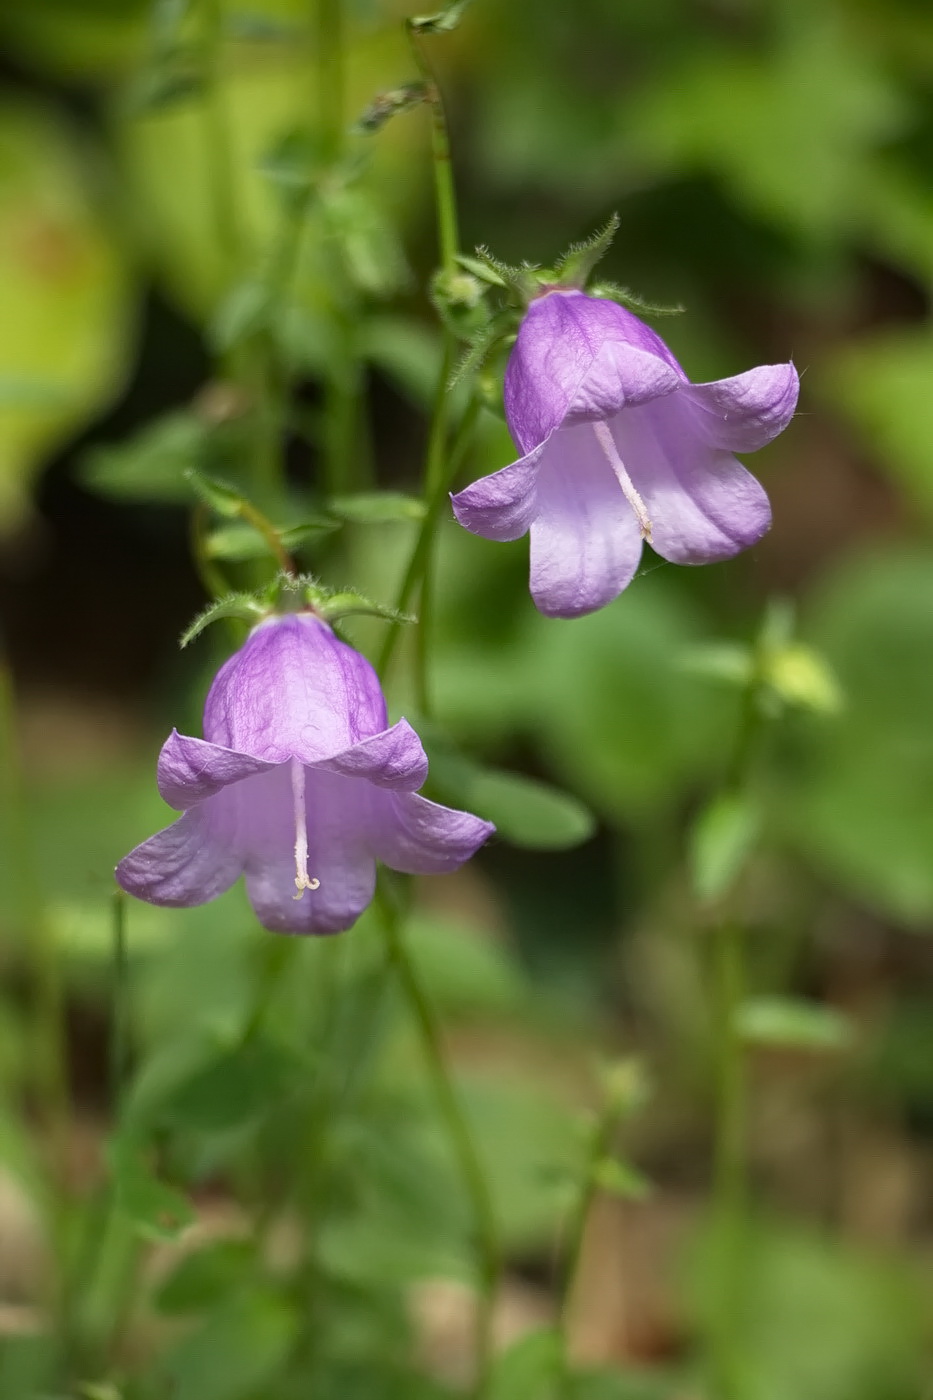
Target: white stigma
point(302, 880)
point(607, 443)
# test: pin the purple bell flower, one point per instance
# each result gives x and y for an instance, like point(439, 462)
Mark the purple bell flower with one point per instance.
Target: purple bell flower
point(619, 447)
point(298, 785)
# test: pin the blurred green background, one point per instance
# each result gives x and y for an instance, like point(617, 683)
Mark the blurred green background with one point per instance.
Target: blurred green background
point(772, 163)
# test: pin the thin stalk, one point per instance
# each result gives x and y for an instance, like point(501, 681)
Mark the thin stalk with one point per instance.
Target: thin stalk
point(435, 480)
point(421, 549)
point(445, 195)
point(331, 75)
point(221, 163)
point(120, 1013)
point(49, 1056)
point(730, 1186)
point(729, 1169)
point(599, 1146)
point(489, 1258)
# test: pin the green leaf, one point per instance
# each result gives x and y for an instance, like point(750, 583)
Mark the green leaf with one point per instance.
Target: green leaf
point(157, 1211)
point(377, 508)
point(721, 842)
point(152, 465)
point(244, 311)
point(389, 104)
point(801, 677)
point(530, 1368)
point(66, 346)
point(621, 1179)
point(223, 498)
point(206, 1276)
point(466, 971)
point(853, 797)
point(234, 543)
point(527, 812)
point(236, 1354)
point(786, 1022)
point(235, 1089)
point(440, 23)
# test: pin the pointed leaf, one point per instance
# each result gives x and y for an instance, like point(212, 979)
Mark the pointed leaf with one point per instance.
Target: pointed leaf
point(794, 1024)
point(722, 839)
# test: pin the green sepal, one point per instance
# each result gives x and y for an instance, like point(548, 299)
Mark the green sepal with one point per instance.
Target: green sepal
point(523, 281)
point(387, 105)
point(574, 267)
point(498, 330)
point(612, 291)
point(486, 268)
point(441, 23)
point(335, 606)
point(240, 605)
point(457, 297)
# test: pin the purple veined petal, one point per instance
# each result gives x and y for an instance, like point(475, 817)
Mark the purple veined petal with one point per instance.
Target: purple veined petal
point(393, 759)
point(585, 542)
point(418, 837)
point(503, 505)
point(191, 770)
point(190, 862)
point(578, 356)
point(293, 690)
point(336, 823)
point(746, 412)
point(702, 503)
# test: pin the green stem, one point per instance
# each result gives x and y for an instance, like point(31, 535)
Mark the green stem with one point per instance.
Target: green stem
point(421, 550)
point(120, 1015)
point(221, 163)
point(445, 195)
point(331, 76)
point(730, 1187)
point(729, 1183)
point(599, 1146)
point(489, 1260)
point(49, 1057)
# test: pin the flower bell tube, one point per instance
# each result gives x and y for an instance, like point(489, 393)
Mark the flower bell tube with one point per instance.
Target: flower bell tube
point(620, 448)
point(299, 785)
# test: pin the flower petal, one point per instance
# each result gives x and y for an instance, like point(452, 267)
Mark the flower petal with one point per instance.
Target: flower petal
point(393, 759)
point(579, 358)
point(188, 863)
point(744, 413)
point(420, 837)
point(585, 541)
point(337, 819)
point(503, 505)
point(293, 690)
point(191, 770)
point(702, 503)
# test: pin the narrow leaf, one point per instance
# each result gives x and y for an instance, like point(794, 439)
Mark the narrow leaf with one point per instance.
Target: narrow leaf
point(722, 839)
point(792, 1023)
point(389, 104)
point(442, 22)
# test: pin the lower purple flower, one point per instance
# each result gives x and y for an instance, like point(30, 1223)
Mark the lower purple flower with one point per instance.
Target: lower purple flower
point(621, 448)
point(299, 785)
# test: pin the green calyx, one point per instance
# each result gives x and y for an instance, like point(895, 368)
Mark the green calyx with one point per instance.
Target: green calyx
point(290, 593)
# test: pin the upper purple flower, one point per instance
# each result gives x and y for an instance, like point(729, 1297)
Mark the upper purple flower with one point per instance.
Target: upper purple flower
point(619, 447)
point(299, 785)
